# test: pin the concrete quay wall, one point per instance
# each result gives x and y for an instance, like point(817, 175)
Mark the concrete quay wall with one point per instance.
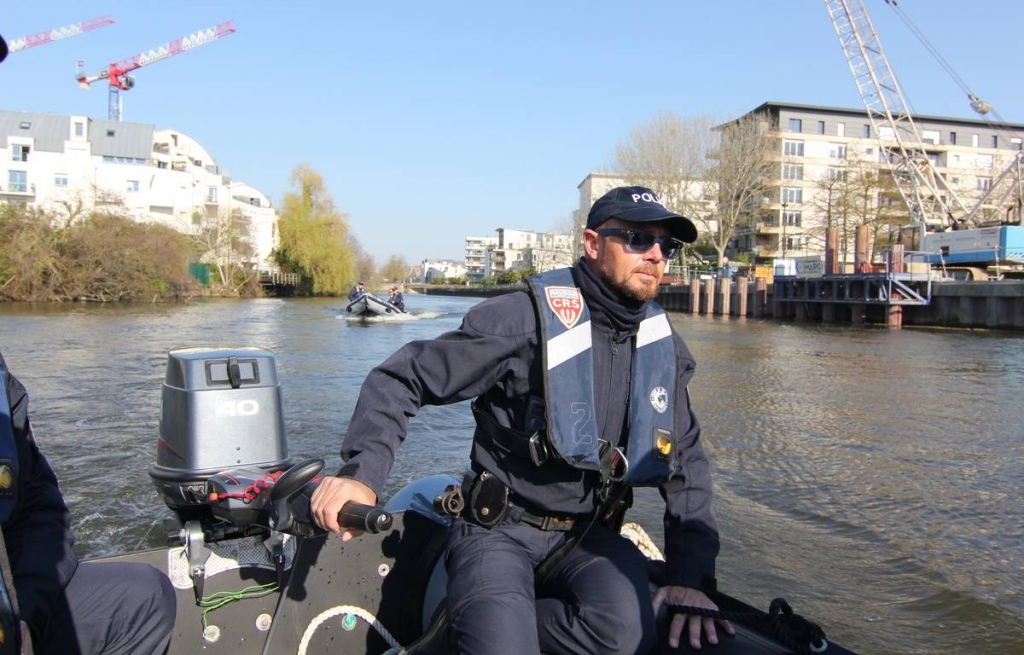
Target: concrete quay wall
point(978, 305)
point(997, 305)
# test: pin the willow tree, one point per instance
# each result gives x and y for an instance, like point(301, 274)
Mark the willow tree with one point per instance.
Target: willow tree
point(314, 236)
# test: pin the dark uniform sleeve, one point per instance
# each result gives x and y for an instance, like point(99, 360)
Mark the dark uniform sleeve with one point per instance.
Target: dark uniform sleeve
point(38, 533)
point(691, 531)
point(487, 350)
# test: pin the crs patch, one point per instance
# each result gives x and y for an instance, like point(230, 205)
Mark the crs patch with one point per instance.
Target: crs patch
point(659, 399)
point(566, 303)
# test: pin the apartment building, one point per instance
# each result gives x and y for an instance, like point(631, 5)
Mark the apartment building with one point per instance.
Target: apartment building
point(74, 163)
point(478, 254)
point(820, 146)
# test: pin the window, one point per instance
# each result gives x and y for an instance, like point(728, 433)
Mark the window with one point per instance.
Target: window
point(60, 180)
point(930, 136)
point(796, 125)
point(17, 181)
point(841, 129)
point(25, 125)
point(792, 195)
point(1015, 142)
point(885, 133)
point(133, 186)
point(79, 128)
point(835, 173)
point(867, 132)
point(983, 183)
point(792, 219)
point(974, 140)
point(793, 148)
point(837, 151)
point(792, 171)
point(111, 133)
point(984, 161)
point(995, 140)
point(821, 127)
point(19, 152)
point(952, 138)
point(211, 194)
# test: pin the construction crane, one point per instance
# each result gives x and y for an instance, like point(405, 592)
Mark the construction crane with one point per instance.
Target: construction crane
point(26, 42)
point(924, 192)
point(999, 250)
point(117, 75)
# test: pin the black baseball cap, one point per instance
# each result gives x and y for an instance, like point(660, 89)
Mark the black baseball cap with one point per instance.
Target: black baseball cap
point(638, 204)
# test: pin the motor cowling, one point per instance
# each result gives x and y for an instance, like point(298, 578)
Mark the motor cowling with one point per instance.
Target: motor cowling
point(220, 410)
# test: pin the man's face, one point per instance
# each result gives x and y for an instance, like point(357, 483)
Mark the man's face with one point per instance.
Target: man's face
point(634, 274)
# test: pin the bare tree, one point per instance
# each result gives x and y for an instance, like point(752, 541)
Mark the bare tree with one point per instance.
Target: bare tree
point(222, 241)
point(744, 163)
point(856, 193)
point(395, 270)
point(669, 155)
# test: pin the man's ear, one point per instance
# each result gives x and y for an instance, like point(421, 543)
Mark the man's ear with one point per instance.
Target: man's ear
point(590, 243)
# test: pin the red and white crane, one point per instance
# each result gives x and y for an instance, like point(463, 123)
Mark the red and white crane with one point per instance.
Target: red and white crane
point(31, 41)
point(117, 74)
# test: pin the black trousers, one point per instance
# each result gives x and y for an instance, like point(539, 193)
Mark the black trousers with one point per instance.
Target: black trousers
point(597, 600)
point(111, 608)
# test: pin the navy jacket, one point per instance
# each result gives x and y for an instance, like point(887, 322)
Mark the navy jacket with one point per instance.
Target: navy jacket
point(38, 532)
point(495, 358)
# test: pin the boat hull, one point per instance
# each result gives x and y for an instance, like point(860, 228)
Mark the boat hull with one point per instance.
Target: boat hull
point(369, 305)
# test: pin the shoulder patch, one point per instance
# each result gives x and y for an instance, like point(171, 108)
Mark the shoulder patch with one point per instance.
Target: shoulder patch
point(566, 303)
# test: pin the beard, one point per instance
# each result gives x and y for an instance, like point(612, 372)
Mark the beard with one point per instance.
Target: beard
point(636, 288)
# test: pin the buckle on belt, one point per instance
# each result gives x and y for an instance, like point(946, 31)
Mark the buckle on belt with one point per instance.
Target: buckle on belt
point(538, 449)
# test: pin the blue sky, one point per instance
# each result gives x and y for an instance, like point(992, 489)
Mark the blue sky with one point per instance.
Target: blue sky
point(434, 121)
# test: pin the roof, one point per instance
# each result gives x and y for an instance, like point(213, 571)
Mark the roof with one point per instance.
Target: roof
point(770, 105)
point(49, 131)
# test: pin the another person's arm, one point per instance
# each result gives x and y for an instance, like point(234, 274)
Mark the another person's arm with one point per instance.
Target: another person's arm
point(38, 533)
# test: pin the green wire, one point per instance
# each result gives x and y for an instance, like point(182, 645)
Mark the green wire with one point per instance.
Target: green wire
point(221, 598)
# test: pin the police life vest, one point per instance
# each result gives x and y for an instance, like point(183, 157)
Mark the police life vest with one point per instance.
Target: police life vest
point(569, 383)
point(8, 452)
point(10, 636)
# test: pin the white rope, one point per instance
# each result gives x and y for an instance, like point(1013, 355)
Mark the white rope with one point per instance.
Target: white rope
point(354, 611)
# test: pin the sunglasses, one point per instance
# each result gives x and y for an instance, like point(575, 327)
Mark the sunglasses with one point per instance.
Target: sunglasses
point(639, 241)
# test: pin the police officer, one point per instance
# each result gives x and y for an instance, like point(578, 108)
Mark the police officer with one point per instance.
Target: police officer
point(580, 395)
point(357, 291)
point(395, 298)
point(63, 606)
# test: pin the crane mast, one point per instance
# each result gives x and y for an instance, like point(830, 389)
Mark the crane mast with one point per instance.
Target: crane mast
point(117, 74)
point(925, 193)
point(33, 40)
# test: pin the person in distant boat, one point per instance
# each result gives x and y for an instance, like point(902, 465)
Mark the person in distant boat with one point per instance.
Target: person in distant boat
point(580, 388)
point(58, 605)
point(358, 290)
point(395, 298)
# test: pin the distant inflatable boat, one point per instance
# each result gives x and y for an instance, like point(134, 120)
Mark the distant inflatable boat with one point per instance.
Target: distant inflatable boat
point(369, 305)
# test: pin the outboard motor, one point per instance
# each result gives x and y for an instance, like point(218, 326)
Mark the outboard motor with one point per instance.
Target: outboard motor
point(220, 411)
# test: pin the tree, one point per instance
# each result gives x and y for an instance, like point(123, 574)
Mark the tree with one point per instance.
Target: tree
point(222, 241)
point(853, 194)
point(669, 155)
point(314, 237)
point(395, 270)
point(745, 160)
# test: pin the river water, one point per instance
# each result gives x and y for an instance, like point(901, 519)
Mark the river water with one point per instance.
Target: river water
point(870, 477)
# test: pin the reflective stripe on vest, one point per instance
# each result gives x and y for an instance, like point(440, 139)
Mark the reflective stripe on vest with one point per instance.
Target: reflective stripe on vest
point(8, 453)
point(569, 382)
